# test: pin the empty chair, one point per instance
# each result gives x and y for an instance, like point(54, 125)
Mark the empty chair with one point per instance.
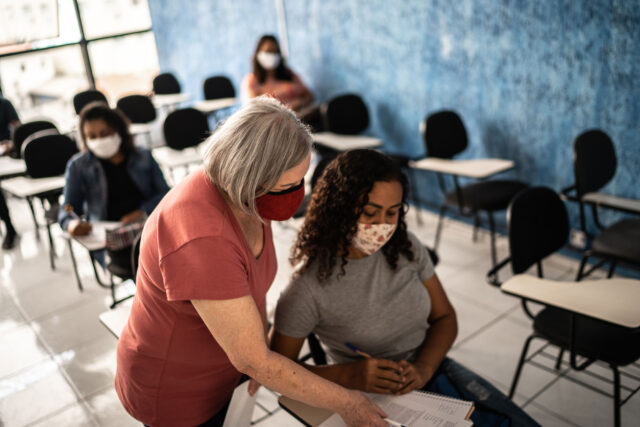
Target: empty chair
point(45, 157)
point(83, 98)
point(137, 108)
point(539, 226)
point(184, 128)
point(25, 130)
point(218, 87)
point(165, 84)
point(445, 136)
point(346, 115)
point(594, 165)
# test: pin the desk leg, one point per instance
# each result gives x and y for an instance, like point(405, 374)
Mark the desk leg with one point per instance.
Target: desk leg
point(75, 265)
point(33, 214)
point(52, 248)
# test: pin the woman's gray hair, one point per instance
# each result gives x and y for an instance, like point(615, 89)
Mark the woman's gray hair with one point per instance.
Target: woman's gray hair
point(246, 156)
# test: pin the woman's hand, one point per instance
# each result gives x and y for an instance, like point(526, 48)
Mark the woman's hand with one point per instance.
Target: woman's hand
point(415, 376)
point(132, 216)
point(77, 227)
point(360, 411)
point(374, 376)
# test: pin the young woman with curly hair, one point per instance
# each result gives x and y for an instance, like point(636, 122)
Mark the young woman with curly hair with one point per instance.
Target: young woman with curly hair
point(365, 282)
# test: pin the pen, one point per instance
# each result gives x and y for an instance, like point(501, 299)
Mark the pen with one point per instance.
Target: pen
point(357, 350)
point(394, 423)
point(69, 209)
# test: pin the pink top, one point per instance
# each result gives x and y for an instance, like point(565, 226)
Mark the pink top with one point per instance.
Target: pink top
point(283, 90)
point(171, 371)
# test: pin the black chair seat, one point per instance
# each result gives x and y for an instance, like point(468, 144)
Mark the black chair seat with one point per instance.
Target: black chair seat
point(621, 240)
point(487, 195)
point(594, 339)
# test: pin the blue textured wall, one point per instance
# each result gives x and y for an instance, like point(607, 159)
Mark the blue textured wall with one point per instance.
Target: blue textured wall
point(526, 77)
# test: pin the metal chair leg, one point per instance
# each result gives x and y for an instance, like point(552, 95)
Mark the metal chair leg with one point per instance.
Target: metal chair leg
point(521, 362)
point(616, 396)
point(612, 268)
point(75, 265)
point(559, 359)
point(583, 262)
point(492, 228)
point(476, 226)
point(52, 248)
point(443, 209)
point(33, 214)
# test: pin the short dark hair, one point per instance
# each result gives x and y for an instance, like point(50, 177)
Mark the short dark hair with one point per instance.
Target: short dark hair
point(337, 202)
point(282, 71)
point(99, 110)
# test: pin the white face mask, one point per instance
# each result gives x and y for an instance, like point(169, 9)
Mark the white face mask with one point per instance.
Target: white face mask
point(371, 237)
point(268, 60)
point(105, 147)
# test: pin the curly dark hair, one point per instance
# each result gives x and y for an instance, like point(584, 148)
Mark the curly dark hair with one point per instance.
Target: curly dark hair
point(337, 202)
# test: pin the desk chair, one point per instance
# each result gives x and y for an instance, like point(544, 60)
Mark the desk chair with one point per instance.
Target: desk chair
point(538, 226)
point(27, 129)
point(218, 87)
point(445, 136)
point(83, 98)
point(594, 165)
point(165, 84)
point(140, 111)
point(45, 157)
point(124, 268)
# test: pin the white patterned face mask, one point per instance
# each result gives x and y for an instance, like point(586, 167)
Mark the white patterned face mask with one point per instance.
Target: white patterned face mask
point(371, 237)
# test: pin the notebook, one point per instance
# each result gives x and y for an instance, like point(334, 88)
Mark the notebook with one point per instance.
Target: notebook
point(418, 409)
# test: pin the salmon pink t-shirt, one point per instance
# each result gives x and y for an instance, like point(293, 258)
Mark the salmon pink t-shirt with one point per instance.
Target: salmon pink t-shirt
point(171, 371)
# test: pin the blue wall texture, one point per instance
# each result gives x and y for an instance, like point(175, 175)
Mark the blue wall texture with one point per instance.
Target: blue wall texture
point(527, 77)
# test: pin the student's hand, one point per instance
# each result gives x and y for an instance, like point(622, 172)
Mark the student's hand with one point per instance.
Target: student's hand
point(361, 412)
point(253, 386)
point(415, 376)
point(375, 375)
point(77, 227)
point(132, 216)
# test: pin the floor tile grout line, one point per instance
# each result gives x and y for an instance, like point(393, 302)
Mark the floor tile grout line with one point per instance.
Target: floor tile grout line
point(483, 328)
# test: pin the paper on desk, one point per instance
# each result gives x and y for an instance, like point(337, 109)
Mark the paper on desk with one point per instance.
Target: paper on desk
point(241, 407)
point(414, 410)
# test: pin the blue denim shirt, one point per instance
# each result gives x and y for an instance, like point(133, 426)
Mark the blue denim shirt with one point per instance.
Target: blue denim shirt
point(86, 190)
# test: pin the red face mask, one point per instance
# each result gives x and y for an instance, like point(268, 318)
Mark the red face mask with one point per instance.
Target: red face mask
point(281, 205)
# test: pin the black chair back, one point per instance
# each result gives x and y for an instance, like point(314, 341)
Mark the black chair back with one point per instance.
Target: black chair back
point(165, 84)
point(594, 161)
point(184, 128)
point(135, 255)
point(347, 115)
point(538, 226)
point(25, 130)
point(137, 108)
point(83, 98)
point(48, 155)
point(217, 87)
point(444, 134)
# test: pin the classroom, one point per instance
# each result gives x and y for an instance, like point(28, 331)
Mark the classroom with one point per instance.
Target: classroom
point(319, 213)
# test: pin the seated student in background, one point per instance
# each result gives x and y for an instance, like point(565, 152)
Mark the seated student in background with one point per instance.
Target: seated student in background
point(367, 287)
point(271, 76)
point(110, 179)
point(9, 121)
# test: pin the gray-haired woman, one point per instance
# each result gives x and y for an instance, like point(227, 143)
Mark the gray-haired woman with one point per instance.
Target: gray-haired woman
point(206, 262)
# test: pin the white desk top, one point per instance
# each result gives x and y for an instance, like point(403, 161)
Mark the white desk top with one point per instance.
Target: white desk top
point(96, 240)
point(309, 414)
point(170, 158)
point(138, 128)
point(629, 205)
point(116, 318)
point(474, 168)
point(611, 300)
point(211, 105)
point(169, 99)
point(11, 167)
point(23, 186)
point(345, 142)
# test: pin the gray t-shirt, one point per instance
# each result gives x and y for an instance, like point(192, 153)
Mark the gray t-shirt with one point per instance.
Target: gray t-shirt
point(381, 311)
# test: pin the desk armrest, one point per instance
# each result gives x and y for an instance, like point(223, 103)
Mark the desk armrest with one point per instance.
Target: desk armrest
point(613, 202)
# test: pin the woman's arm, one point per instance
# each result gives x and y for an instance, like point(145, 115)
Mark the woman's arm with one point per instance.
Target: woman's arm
point(74, 197)
point(438, 340)
point(368, 374)
point(237, 327)
point(304, 98)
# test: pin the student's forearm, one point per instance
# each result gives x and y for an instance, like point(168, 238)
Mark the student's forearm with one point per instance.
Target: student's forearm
point(438, 341)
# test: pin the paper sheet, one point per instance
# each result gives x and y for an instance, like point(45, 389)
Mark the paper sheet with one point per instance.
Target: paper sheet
point(241, 407)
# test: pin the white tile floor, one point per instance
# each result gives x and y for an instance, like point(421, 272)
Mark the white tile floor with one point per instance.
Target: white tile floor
point(57, 361)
